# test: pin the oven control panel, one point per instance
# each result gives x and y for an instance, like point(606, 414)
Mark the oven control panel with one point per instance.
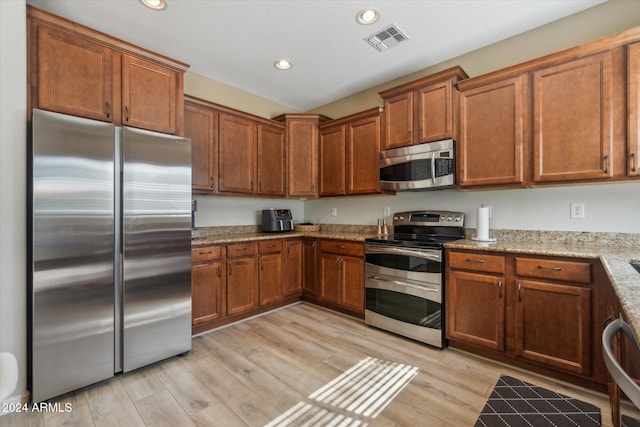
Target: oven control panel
point(442, 218)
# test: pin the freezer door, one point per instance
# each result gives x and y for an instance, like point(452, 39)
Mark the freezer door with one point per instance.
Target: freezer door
point(72, 273)
point(156, 198)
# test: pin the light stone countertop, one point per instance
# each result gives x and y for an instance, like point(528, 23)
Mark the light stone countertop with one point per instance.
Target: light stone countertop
point(614, 250)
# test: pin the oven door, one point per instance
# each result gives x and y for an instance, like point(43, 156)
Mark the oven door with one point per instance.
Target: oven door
point(406, 307)
point(422, 265)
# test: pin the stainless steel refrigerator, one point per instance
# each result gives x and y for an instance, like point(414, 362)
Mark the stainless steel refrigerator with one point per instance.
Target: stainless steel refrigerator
point(110, 232)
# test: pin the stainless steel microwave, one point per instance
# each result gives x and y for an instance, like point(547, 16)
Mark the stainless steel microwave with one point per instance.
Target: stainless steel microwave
point(418, 167)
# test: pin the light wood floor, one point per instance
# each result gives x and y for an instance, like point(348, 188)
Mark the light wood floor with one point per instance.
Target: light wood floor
point(274, 369)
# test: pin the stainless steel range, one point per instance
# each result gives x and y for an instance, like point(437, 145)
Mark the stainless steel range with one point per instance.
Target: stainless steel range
point(404, 274)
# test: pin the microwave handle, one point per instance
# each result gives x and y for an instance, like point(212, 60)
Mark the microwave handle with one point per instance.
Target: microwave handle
point(433, 168)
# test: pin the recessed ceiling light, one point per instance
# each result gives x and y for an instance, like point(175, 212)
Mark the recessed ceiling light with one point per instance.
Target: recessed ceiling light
point(155, 4)
point(282, 64)
point(367, 16)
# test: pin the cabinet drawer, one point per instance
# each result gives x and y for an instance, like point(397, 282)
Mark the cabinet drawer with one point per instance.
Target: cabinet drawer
point(342, 247)
point(203, 254)
point(241, 249)
point(270, 246)
point(569, 271)
point(477, 262)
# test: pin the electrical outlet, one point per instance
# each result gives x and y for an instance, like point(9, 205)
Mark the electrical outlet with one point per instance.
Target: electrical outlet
point(386, 211)
point(577, 211)
point(334, 211)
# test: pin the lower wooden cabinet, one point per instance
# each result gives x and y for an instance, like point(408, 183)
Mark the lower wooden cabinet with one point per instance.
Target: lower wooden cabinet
point(342, 275)
point(533, 311)
point(231, 282)
point(475, 309)
point(271, 272)
point(207, 285)
point(293, 267)
point(553, 325)
point(309, 268)
point(242, 278)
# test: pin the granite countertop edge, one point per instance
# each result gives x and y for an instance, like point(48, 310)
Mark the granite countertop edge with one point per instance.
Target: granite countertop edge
point(247, 237)
point(624, 278)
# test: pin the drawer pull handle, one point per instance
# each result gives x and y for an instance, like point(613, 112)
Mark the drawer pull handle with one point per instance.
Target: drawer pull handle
point(634, 167)
point(500, 289)
point(541, 267)
point(108, 109)
point(606, 164)
point(220, 270)
point(341, 246)
point(519, 291)
point(481, 261)
point(126, 113)
point(241, 249)
point(271, 246)
point(607, 321)
point(205, 253)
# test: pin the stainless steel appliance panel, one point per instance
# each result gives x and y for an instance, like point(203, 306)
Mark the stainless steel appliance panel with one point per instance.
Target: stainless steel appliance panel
point(156, 199)
point(72, 300)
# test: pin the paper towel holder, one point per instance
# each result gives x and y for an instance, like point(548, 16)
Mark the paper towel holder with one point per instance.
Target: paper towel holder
point(482, 229)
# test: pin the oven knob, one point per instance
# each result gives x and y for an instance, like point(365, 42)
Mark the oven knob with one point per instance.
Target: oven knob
point(402, 218)
point(395, 218)
point(449, 218)
point(457, 219)
point(442, 218)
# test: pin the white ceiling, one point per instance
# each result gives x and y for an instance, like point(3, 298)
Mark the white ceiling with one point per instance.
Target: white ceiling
point(236, 42)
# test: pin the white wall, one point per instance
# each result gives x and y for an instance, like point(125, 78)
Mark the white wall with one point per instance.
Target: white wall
point(608, 207)
point(220, 210)
point(13, 152)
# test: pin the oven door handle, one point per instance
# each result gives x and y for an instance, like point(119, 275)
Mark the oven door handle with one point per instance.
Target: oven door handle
point(433, 255)
point(403, 283)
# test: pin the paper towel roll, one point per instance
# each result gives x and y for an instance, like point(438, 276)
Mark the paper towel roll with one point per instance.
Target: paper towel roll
point(482, 230)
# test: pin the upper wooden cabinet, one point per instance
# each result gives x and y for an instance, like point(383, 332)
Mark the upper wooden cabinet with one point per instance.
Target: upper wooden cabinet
point(569, 116)
point(349, 154)
point(301, 153)
point(633, 160)
point(491, 144)
point(422, 110)
point(572, 114)
point(234, 152)
point(76, 70)
point(237, 151)
point(271, 156)
point(201, 125)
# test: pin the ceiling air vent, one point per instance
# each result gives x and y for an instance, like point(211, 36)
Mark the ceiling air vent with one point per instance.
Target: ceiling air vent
point(386, 38)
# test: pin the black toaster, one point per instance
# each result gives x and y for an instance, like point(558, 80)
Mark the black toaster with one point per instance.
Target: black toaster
point(277, 220)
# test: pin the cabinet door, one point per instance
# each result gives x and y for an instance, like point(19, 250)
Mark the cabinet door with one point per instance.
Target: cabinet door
point(363, 156)
point(149, 95)
point(302, 157)
point(329, 289)
point(553, 325)
point(491, 134)
point(475, 307)
point(201, 125)
point(242, 284)
point(206, 292)
point(270, 278)
point(352, 283)
point(434, 112)
point(75, 76)
point(573, 130)
point(271, 160)
point(332, 161)
point(398, 121)
point(633, 58)
point(293, 267)
point(309, 267)
point(237, 151)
